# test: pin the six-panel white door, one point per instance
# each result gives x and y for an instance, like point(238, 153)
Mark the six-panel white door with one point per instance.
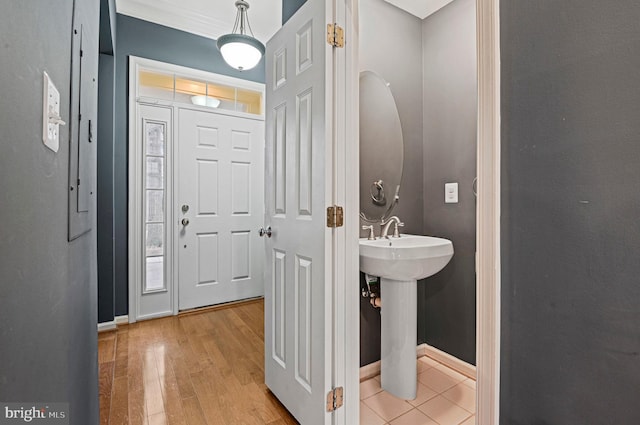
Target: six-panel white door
point(220, 207)
point(299, 187)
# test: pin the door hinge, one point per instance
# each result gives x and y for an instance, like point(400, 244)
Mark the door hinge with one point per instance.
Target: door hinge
point(335, 216)
point(335, 35)
point(335, 399)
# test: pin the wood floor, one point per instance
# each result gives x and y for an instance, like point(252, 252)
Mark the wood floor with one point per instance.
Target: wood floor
point(199, 369)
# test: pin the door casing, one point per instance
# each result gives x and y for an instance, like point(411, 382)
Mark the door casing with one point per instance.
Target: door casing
point(134, 210)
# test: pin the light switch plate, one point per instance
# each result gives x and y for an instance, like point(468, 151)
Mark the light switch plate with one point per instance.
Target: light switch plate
point(451, 193)
point(51, 120)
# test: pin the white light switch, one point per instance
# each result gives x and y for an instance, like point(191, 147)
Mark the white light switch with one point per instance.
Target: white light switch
point(51, 120)
point(451, 193)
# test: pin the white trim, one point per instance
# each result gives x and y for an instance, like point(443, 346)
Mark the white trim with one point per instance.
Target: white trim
point(187, 106)
point(134, 183)
point(122, 320)
point(174, 184)
point(155, 315)
point(141, 301)
point(346, 164)
point(107, 326)
point(488, 215)
point(371, 370)
point(114, 324)
point(468, 370)
point(448, 360)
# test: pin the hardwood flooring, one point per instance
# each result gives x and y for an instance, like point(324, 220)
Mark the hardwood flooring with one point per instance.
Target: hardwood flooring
point(198, 369)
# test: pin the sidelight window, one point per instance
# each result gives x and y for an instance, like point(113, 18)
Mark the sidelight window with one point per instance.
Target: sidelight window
point(154, 193)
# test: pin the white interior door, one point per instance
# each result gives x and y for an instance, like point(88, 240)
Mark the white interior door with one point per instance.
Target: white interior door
point(299, 188)
point(220, 207)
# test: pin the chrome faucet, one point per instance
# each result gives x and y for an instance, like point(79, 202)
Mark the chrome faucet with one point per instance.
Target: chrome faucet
point(385, 227)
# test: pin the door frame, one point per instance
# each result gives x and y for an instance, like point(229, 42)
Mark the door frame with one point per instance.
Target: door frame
point(135, 212)
point(488, 214)
point(136, 266)
point(488, 273)
point(488, 284)
point(346, 294)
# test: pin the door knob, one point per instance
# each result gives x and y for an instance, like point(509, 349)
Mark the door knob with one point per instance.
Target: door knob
point(264, 231)
point(185, 221)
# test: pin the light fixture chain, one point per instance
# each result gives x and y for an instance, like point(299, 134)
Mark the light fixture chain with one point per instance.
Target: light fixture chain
point(246, 17)
point(235, 26)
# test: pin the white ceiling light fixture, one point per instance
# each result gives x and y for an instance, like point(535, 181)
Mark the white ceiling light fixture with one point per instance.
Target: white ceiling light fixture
point(239, 49)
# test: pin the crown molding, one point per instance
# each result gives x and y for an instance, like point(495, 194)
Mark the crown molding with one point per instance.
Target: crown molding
point(185, 18)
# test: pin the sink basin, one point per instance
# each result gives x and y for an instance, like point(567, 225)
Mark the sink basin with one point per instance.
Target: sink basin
point(409, 257)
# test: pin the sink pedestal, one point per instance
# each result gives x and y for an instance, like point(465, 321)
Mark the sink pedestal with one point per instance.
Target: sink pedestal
point(400, 262)
point(399, 335)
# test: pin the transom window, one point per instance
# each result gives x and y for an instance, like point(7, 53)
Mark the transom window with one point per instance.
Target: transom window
point(169, 86)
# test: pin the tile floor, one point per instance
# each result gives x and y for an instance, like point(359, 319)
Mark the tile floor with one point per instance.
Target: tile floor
point(445, 397)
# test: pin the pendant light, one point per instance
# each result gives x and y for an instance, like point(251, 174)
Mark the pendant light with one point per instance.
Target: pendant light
point(239, 49)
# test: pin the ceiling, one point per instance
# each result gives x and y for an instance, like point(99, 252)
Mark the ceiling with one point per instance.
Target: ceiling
point(208, 18)
point(420, 8)
point(213, 18)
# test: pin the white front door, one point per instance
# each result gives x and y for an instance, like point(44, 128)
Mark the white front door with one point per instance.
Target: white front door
point(220, 207)
point(299, 188)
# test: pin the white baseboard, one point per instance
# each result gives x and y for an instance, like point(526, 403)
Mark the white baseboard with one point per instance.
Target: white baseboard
point(369, 371)
point(107, 326)
point(122, 320)
point(468, 370)
point(113, 325)
point(448, 360)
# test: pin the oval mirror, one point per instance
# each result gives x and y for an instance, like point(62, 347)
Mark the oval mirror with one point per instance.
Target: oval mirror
point(381, 148)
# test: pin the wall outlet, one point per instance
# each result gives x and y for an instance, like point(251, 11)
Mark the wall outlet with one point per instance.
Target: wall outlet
point(451, 193)
point(51, 120)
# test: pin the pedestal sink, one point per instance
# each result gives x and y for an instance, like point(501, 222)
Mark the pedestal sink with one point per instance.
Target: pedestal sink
point(400, 262)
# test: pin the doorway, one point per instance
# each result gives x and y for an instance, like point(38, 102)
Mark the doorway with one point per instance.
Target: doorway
point(196, 189)
point(487, 281)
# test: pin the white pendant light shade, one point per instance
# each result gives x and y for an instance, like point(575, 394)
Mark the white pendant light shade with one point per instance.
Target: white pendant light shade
point(240, 50)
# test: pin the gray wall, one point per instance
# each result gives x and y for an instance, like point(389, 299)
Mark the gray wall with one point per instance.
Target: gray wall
point(400, 64)
point(47, 285)
point(105, 223)
point(571, 202)
point(447, 300)
point(289, 7)
point(107, 26)
point(144, 39)
point(106, 112)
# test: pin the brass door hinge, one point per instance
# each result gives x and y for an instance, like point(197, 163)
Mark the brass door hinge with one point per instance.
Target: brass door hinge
point(335, 35)
point(335, 216)
point(335, 399)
